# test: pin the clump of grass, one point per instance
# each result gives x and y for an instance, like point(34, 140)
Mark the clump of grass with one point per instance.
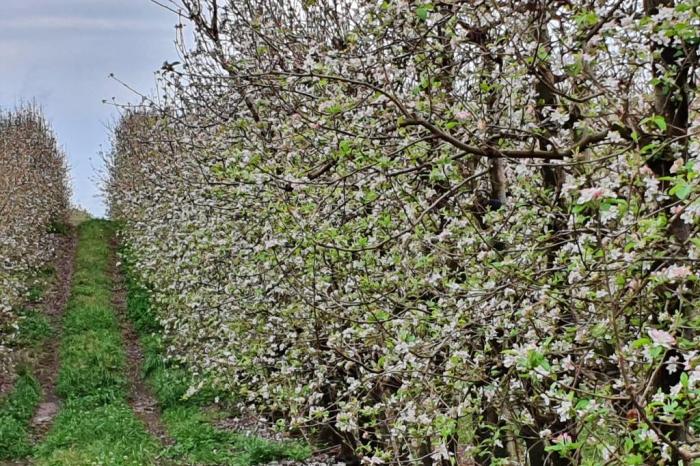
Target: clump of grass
point(97, 433)
point(16, 410)
point(89, 316)
point(92, 363)
point(195, 438)
point(35, 293)
point(34, 328)
point(202, 443)
point(14, 440)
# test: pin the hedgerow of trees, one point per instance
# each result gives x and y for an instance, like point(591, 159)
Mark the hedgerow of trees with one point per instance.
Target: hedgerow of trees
point(33, 201)
point(431, 232)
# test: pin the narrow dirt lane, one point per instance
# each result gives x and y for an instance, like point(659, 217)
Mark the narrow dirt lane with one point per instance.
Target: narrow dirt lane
point(54, 308)
point(140, 397)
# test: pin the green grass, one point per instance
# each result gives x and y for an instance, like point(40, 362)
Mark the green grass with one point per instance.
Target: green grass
point(197, 440)
point(95, 425)
point(88, 431)
point(16, 410)
point(19, 405)
point(34, 328)
point(201, 443)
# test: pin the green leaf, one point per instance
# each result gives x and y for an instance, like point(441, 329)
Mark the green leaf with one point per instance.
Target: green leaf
point(335, 109)
point(578, 208)
point(345, 147)
point(681, 190)
point(586, 19)
point(658, 120)
point(641, 342)
point(423, 10)
point(684, 379)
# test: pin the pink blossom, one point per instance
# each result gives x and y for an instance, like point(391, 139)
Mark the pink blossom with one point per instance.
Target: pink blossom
point(593, 194)
point(662, 338)
point(677, 165)
point(635, 284)
point(462, 115)
point(677, 272)
point(645, 170)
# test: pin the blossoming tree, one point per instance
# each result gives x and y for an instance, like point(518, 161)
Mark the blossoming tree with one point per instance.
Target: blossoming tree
point(431, 232)
point(33, 197)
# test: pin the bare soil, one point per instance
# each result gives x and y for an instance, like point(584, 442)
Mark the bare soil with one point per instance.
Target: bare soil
point(7, 382)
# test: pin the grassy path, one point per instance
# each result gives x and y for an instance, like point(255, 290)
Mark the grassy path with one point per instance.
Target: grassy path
point(54, 310)
point(110, 397)
point(95, 424)
point(141, 398)
point(28, 409)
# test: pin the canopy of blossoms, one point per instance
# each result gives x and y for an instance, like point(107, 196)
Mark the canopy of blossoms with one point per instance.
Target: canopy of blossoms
point(431, 232)
point(33, 198)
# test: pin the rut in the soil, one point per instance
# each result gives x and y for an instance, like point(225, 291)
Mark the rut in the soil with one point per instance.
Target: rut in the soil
point(54, 306)
point(140, 397)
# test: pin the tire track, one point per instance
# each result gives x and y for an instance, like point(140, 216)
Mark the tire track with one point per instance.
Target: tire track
point(140, 397)
point(54, 308)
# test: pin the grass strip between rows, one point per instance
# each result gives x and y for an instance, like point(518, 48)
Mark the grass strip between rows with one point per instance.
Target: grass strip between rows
point(197, 440)
point(16, 412)
point(95, 424)
point(19, 405)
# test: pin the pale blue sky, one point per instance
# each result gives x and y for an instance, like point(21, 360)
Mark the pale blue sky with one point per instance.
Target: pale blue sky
point(60, 54)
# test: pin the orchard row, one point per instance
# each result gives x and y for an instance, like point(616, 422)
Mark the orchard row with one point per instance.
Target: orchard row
point(430, 232)
point(34, 198)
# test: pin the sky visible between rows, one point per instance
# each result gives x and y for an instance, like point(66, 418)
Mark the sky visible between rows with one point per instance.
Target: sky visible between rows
point(60, 53)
